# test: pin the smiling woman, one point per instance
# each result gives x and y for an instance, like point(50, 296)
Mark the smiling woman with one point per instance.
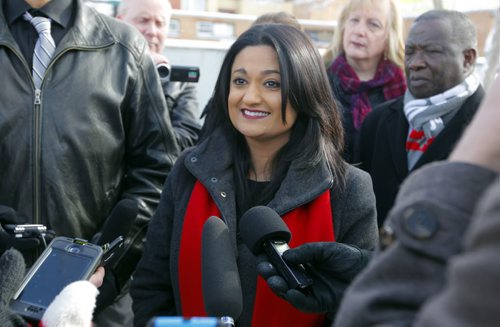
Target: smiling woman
point(255, 106)
point(273, 137)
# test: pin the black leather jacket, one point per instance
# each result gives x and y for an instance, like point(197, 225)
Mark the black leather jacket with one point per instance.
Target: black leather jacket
point(97, 130)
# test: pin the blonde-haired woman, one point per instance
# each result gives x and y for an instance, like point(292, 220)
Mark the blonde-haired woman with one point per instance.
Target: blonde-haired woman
point(364, 64)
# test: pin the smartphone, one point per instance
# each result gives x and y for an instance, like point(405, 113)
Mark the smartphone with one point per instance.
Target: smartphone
point(64, 261)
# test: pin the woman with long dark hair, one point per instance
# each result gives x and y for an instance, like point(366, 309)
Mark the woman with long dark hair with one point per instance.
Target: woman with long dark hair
point(273, 137)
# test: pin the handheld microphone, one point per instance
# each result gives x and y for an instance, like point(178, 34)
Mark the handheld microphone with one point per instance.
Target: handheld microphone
point(119, 221)
point(220, 279)
point(114, 230)
point(263, 230)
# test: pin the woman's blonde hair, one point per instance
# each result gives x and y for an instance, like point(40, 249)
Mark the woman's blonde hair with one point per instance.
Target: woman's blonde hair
point(395, 39)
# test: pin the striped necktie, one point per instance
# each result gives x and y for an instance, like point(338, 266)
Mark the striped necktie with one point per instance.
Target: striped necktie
point(44, 47)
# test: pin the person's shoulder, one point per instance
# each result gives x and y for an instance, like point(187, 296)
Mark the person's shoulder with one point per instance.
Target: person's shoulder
point(179, 170)
point(394, 104)
point(356, 176)
point(357, 188)
point(383, 110)
point(477, 97)
point(124, 34)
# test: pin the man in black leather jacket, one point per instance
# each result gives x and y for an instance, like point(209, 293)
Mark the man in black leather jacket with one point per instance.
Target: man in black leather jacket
point(152, 18)
point(94, 132)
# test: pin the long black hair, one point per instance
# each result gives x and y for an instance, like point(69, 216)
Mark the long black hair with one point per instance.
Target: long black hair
point(317, 134)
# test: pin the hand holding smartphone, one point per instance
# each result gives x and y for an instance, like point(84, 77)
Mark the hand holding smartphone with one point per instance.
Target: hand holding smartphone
point(64, 261)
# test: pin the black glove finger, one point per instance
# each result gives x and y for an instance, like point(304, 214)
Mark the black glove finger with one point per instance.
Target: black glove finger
point(261, 258)
point(342, 260)
point(277, 284)
point(318, 253)
point(266, 269)
point(303, 301)
point(313, 253)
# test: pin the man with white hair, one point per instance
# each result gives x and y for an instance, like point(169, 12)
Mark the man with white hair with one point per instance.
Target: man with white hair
point(152, 18)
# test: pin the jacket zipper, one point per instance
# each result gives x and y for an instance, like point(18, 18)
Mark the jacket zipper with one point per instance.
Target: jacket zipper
point(37, 122)
point(36, 155)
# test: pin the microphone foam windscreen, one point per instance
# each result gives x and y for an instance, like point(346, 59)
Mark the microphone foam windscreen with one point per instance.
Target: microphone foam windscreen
point(12, 269)
point(220, 279)
point(260, 224)
point(119, 221)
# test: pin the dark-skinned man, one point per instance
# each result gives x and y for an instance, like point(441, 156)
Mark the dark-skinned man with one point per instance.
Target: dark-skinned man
point(423, 126)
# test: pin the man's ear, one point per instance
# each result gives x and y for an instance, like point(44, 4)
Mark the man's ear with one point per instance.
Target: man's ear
point(470, 56)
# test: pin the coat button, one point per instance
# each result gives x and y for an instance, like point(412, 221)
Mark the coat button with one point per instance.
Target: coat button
point(420, 223)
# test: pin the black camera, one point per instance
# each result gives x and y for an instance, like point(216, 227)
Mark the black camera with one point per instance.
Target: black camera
point(178, 73)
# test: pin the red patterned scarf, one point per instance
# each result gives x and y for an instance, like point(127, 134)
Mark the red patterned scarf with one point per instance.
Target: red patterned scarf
point(269, 309)
point(388, 76)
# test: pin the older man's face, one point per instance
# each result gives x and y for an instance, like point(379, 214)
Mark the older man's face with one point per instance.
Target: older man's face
point(434, 62)
point(151, 18)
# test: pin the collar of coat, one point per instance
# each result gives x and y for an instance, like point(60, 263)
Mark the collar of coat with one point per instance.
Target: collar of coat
point(209, 162)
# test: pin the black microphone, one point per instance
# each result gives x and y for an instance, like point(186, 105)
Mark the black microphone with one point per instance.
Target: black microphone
point(220, 278)
point(114, 230)
point(119, 221)
point(263, 230)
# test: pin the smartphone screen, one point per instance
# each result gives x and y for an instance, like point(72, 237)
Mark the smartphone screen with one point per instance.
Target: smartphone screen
point(59, 269)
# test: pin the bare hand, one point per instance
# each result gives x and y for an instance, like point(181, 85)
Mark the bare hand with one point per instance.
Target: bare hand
point(98, 277)
point(159, 59)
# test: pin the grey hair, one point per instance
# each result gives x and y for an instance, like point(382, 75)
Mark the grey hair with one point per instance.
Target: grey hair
point(463, 30)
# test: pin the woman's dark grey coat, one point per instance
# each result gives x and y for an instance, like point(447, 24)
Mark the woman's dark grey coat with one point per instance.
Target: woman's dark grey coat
point(155, 287)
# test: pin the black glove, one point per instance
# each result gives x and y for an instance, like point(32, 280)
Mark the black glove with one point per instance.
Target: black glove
point(331, 265)
point(9, 216)
point(12, 271)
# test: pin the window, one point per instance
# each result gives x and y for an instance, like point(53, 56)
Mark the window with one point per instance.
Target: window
point(214, 30)
point(194, 5)
point(174, 29)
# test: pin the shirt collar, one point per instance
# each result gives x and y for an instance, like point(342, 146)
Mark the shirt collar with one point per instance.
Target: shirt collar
point(59, 11)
